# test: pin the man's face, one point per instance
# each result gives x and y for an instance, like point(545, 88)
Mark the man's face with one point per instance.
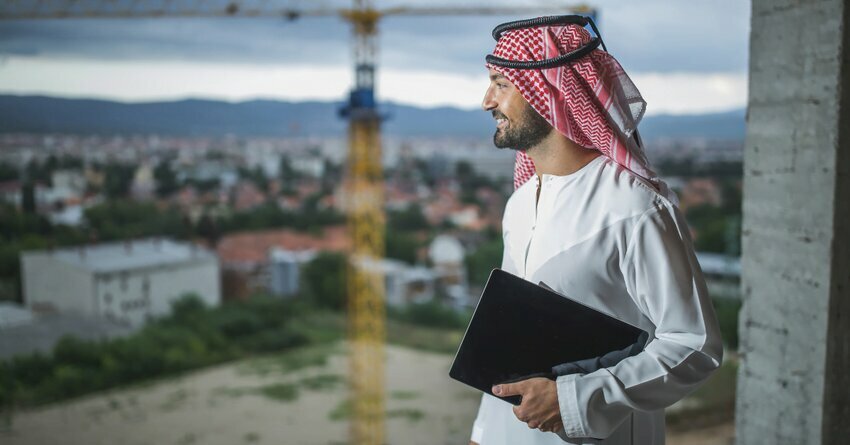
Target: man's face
point(518, 126)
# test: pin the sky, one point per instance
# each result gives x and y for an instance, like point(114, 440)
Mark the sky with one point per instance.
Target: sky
point(685, 57)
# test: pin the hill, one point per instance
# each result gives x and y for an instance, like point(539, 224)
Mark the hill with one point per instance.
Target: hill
point(196, 117)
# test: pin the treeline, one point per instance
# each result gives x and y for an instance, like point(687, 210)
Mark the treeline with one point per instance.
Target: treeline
point(192, 337)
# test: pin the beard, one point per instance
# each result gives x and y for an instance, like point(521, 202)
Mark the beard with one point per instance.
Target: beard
point(526, 132)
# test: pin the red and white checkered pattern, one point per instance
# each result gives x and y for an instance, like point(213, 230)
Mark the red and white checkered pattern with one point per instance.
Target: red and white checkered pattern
point(591, 100)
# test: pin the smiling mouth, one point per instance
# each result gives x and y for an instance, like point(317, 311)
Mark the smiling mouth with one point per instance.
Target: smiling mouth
point(501, 123)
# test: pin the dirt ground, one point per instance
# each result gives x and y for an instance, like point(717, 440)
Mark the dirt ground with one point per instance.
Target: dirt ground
point(723, 434)
point(280, 400)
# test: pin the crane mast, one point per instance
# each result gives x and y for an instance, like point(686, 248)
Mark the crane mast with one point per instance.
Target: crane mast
point(366, 331)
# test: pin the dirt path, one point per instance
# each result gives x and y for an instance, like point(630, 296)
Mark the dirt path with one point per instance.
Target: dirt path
point(259, 401)
point(296, 398)
point(723, 434)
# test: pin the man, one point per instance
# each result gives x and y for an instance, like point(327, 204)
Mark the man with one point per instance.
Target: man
point(591, 220)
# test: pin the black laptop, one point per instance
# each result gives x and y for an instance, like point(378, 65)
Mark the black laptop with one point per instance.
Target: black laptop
point(520, 329)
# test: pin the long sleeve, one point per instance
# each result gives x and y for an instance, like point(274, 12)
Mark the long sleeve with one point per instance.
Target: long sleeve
point(664, 280)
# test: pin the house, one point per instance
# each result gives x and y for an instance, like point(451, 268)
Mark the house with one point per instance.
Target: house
point(403, 284)
point(447, 255)
point(285, 270)
point(125, 282)
point(246, 257)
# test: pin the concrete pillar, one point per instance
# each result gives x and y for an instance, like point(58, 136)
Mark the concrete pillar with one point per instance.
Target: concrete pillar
point(794, 379)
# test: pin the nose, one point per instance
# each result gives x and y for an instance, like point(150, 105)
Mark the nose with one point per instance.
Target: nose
point(489, 102)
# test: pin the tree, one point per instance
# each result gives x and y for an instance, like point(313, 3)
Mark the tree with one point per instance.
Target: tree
point(166, 179)
point(288, 175)
point(323, 280)
point(8, 172)
point(28, 198)
point(118, 179)
point(480, 262)
point(408, 219)
point(128, 219)
point(209, 230)
point(401, 246)
point(255, 175)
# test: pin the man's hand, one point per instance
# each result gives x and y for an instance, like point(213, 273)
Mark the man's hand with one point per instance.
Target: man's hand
point(539, 407)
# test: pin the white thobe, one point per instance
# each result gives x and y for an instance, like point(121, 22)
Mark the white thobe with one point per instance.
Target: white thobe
point(605, 237)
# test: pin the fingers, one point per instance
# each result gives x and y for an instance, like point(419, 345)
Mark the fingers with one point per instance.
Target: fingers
point(521, 414)
point(551, 428)
point(508, 389)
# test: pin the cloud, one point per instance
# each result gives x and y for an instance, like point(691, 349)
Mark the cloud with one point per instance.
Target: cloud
point(691, 93)
point(135, 81)
point(647, 36)
point(685, 56)
point(138, 81)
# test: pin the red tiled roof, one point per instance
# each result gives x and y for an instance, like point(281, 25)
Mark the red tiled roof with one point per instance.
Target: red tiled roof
point(253, 247)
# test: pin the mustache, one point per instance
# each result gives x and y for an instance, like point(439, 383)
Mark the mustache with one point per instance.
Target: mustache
point(498, 115)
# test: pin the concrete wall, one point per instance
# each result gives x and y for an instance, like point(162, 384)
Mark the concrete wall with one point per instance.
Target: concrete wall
point(793, 384)
point(132, 297)
point(201, 278)
point(49, 282)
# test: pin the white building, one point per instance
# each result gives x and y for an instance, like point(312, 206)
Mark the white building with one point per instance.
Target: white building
point(403, 284)
point(447, 255)
point(127, 282)
point(313, 166)
point(67, 185)
point(285, 270)
point(144, 183)
point(11, 314)
point(406, 284)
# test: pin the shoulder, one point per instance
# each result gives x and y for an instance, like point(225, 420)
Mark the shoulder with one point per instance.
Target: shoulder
point(623, 192)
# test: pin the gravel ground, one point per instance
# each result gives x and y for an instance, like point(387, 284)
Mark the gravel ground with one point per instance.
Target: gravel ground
point(294, 398)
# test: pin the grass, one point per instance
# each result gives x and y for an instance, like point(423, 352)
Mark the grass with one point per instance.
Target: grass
point(321, 326)
point(288, 361)
point(345, 409)
point(341, 412)
point(233, 392)
point(174, 400)
point(322, 382)
point(411, 414)
point(422, 338)
point(282, 392)
point(324, 327)
point(404, 395)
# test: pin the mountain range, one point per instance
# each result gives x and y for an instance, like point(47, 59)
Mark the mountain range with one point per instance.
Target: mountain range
point(196, 117)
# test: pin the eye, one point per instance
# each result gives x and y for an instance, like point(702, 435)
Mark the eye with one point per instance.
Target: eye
point(501, 85)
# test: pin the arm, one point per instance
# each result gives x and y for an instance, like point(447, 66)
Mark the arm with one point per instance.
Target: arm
point(610, 359)
point(664, 280)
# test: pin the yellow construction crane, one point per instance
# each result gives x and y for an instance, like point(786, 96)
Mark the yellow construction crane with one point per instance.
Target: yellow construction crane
point(366, 331)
